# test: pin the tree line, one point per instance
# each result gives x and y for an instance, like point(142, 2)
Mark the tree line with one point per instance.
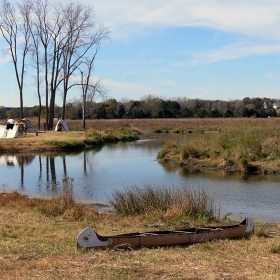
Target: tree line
point(155, 107)
point(56, 43)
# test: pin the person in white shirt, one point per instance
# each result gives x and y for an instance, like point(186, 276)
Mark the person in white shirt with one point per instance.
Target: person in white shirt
point(10, 124)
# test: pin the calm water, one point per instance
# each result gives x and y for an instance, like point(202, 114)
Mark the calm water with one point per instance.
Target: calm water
point(97, 173)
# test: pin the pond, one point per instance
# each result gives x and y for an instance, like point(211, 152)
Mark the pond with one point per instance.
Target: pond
point(97, 173)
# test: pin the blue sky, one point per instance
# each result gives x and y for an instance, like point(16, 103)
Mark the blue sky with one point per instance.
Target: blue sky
point(206, 49)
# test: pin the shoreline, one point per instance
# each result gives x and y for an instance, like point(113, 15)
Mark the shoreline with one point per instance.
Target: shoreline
point(101, 206)
point(105, 207)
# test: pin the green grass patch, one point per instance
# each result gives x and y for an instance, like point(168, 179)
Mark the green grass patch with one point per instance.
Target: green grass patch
point(70, 144)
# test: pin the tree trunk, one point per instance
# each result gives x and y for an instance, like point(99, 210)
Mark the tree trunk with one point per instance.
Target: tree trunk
point(51, 113)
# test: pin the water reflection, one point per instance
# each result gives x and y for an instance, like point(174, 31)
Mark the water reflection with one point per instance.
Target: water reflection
point(97, 173)
point(16, 160)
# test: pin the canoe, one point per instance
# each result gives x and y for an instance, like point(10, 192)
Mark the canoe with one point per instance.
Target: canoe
point(89, 239)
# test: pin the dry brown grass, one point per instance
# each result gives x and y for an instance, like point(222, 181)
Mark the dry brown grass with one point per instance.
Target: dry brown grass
point(171, 125)
point(44, 139)
point(148, 125)
point(36, 246)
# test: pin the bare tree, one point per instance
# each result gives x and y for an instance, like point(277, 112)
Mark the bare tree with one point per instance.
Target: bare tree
point(90, 89)
point(55, 55)
point(83, 41)
point(40, 24)
point(63, 39)
point(35, 54)
point(68, 37)
point(15, 30)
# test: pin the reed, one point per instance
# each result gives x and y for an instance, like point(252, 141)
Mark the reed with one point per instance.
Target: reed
point(166, 201)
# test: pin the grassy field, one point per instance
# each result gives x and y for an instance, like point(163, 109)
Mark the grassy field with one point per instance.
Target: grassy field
point(38, 239)
point(171, 125)
point(36, 244)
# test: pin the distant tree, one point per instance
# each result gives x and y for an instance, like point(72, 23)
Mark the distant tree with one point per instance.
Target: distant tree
point(249, 111)
point(229, 113)
point(200, 113)
point(215, 113)
point(101, 110)
point(120, 111)
point(186, 113)
point(70, 110)
point(170, 109)
point(151, 105)
point(35, 111)
point(57, 111)
point(112, 108)
point(258, 102)
point(264, 113)
point(246, 101)
point(13, 113)
point(26, 112)
point(3, 114)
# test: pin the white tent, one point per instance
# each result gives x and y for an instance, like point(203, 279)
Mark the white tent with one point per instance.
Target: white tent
point(61, 126)
point(8, 133)
point(9, 161)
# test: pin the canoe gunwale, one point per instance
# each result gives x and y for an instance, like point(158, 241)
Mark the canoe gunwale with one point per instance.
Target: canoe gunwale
point(89, 239)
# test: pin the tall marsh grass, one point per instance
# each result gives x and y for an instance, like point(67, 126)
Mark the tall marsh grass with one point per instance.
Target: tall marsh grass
point(239, 145)
point(167, 201)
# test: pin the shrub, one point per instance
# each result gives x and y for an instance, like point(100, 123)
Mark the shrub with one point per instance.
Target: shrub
point(169, 150)
point(187, 151)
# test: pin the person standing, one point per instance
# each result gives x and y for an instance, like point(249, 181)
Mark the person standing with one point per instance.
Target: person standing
point(10, 124)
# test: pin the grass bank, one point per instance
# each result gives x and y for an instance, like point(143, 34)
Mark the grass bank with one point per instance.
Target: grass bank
point(246, 147)
point(73, 140)
point(38, 241)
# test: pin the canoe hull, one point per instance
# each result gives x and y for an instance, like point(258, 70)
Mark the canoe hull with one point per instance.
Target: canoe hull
point(88, 238)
